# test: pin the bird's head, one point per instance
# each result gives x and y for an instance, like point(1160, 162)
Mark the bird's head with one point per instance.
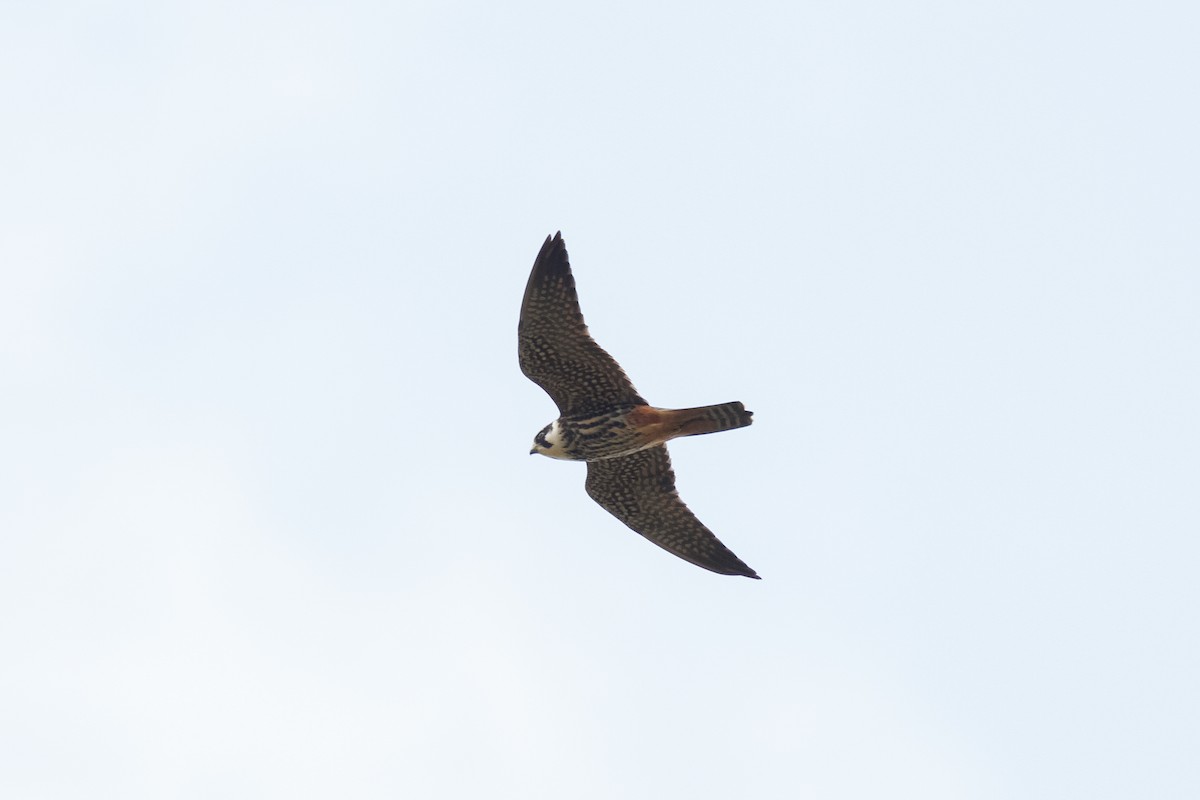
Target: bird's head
point(548, 442)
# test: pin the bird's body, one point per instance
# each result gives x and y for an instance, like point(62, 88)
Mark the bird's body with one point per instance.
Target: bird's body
point(624, 430)
point(605, 422)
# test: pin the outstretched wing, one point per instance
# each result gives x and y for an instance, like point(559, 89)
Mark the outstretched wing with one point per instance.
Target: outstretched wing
point(639, 490)
point(555, 349)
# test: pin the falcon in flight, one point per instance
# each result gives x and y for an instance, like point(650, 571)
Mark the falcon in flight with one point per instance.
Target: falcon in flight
point(605, 422)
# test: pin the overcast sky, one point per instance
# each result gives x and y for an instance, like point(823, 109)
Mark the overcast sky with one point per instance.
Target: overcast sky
point(268, 524)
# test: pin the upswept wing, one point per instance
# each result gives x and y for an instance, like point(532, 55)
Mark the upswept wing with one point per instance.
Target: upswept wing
point(639, 490)
point(555, 349)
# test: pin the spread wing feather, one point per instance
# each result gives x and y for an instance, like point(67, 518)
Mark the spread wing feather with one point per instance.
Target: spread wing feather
point(555, 349)
point(639, 490)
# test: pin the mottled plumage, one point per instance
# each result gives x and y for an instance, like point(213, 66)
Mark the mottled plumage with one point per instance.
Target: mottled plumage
point(556, 351)
point(639, 490)
point(605, 422)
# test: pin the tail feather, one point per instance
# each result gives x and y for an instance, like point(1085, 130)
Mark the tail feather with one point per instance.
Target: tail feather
point(711, 419)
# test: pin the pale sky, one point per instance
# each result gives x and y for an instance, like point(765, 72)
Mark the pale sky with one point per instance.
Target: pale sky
point(268, 522)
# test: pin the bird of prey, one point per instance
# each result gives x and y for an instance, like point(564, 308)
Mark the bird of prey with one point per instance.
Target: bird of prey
point(605, 422)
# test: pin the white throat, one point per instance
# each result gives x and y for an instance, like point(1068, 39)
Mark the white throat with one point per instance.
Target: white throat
point(553, 438)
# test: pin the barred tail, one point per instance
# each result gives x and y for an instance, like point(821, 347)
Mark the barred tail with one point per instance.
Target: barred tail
point(711, 419)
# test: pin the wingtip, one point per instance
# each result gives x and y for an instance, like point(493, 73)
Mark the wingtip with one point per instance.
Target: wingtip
point(746, 571)
point(740, 569)
point(553, 254)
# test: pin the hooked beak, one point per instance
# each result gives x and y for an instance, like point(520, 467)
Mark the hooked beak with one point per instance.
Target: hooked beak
point(534, 450)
